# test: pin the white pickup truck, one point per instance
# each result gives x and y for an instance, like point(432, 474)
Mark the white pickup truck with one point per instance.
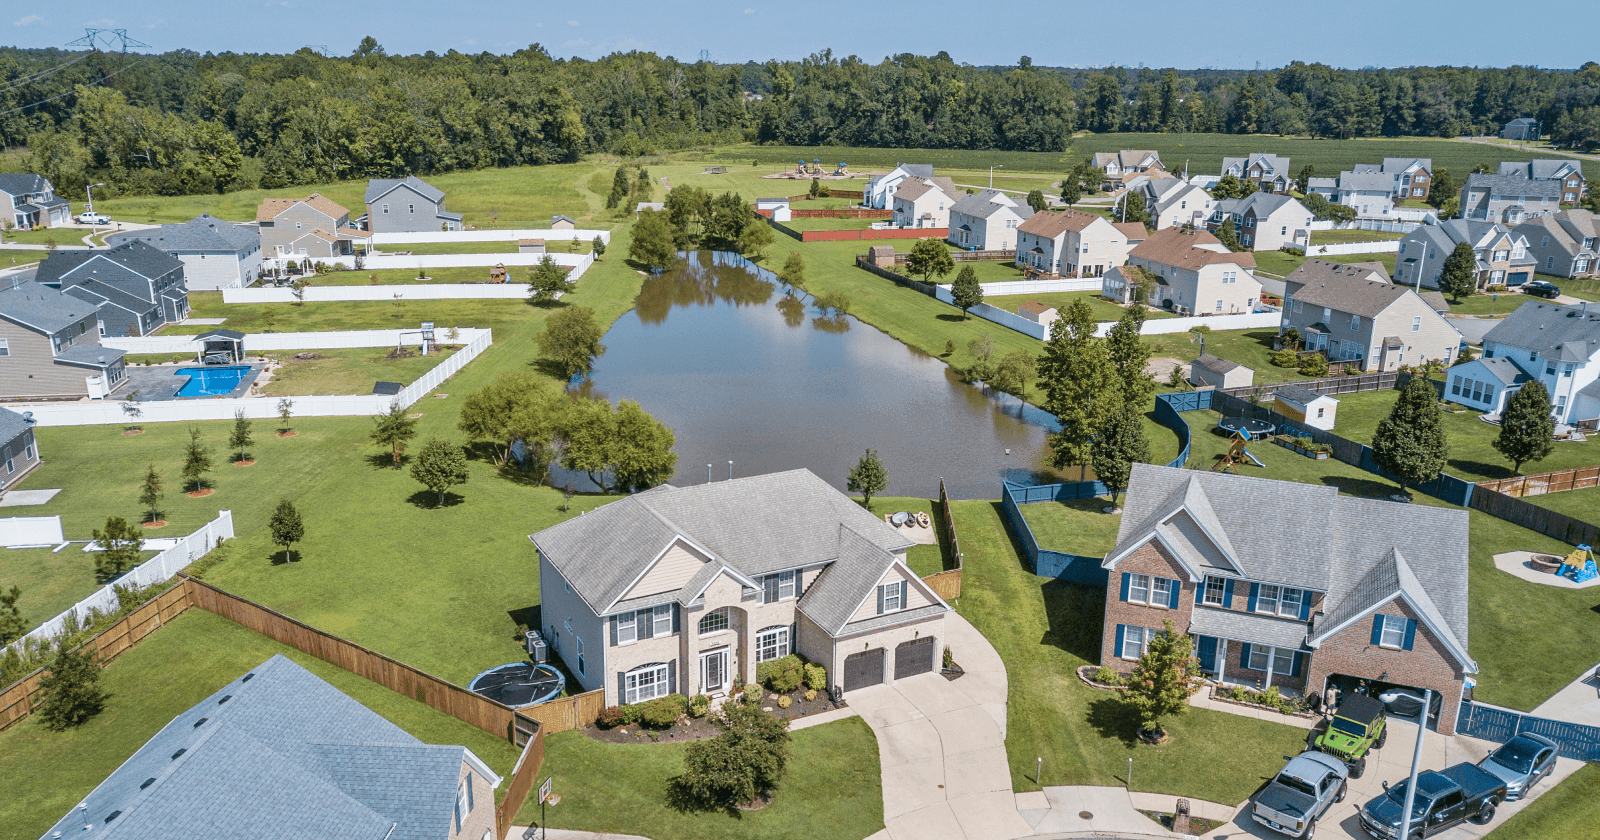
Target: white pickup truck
point(93, 219)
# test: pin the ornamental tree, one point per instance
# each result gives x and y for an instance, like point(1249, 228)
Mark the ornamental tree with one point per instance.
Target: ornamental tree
point(287, 528)
point(150, 493)
point(1459, 278)
point(1159, 686)
point(440, 466)
point(1120, 444)
point(868, 477)
point(393, 429)
point(1410, 444)
point(930, 258)
point(966, 292)
point(71, 691)
point(1527, 429)
point(571, 341)
point(744, 761)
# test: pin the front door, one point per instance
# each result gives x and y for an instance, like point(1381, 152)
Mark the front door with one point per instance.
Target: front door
point(714, 671)
point(1208, 654)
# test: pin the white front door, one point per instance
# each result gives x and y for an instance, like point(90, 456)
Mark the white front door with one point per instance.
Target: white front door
point(714, 671)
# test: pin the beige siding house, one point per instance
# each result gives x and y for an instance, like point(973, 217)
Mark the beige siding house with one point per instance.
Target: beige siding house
point(50, 347)
point(1566, 244)
point(1197, 274)
point(1177, 203)
point(925, 202)
point(1264, 221)
point(1073, 243)
point(987, 221)
point(1353, 312)
point(305, 228)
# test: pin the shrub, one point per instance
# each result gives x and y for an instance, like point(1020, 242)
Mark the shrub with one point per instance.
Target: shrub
point(785, 701)
point(811, 694)
point(71, 691)
point(662, 712)
point(631, 712)
point(699, 705)
point(1284, 358)
point(949, 658)
point(782, 675)
point(752, 693)
point(816, 677)
point(1315, 365)
point(610, 717)
point(749, 756)
point(1107, 676)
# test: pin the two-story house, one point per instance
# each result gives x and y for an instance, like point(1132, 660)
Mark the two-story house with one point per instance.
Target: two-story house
point(1356, 590)
point(18, 449)
point(925, 202)
point(50, 347)
point(306, 228)
point(1566, 244)
point(1502, 256)
point(1269, 172)
point(1118, 165)
point(1074, 243)
point(1508, 199)
point(987, 221)
point(1411, 177)
point(1566, 172)
point(1263, 221)
point(29, 201)
point(1173, 202)
point(1194, 273)
point(407, 205)
point(685, 590)
point(1557, 345)
point(279, 754)
point(1352, 311)
point(1370, 194)
point(137, 287)
point(880, 189)
point(215, 254)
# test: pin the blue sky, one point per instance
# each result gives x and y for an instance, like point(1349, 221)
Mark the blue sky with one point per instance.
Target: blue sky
point(1349, 33)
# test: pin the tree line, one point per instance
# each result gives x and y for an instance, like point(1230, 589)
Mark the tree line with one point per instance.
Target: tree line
point(184, 123)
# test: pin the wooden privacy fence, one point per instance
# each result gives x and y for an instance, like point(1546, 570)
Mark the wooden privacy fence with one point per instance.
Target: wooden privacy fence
point(1550, 482)
point(523, 777)
point(947, 584)
point(1329, 385)
point(1534, 518)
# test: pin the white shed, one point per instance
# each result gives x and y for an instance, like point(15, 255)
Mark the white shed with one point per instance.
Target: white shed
point(1220, 373)
point(1039, 313)
point(778, 206)
point(1306, 406)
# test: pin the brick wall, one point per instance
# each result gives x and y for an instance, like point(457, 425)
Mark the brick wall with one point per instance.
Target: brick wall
point(1427, 665)
point(1150, 559)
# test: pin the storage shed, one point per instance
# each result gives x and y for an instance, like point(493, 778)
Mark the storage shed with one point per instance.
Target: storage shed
point(1220, 373)
point(1306, 406)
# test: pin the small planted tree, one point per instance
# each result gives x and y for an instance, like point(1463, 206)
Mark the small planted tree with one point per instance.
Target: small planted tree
point(440, 466)
point(240, 438)
point(1459, 278)
point(12, 624)
point(119, 546)
point(1227, 236)
point(966, 292)
point(755, 239)
point(1120, 444)
point(868, 477)
point(742, 763)
point(793, 273)
point(286, 527)
point(196, 462)
point(1036, 201)
point(71, 691)
point(598, 246)
point(1159, 686)
point(133, 411)
point(571, 341)
point(393, 429)
point(150, 494)
point(930, 258)
point(545, 281)
point(1527, 430)
point(285, 411)
point(1410, 444)
point(298, 289)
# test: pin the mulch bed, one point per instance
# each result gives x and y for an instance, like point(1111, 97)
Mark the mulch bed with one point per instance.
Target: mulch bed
point(131, 432)
point(1221, 698)
point(247, 463)
point(287, 434)
point(695, 729)
point(196, 494)
point(159, 523)
point(1086, 675)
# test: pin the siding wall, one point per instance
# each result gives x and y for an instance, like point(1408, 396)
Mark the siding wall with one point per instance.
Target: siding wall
point(481, 819)
point(30, 370)
point(282, 230)
point(559, 607)
point(670, 573)
point(422, 215)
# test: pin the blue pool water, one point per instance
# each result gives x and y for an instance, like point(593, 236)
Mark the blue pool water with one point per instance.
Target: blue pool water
point(210, 382)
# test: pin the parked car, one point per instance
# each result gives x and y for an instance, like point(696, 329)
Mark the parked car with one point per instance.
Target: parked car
point(1300, 794)
point(1522, 762)
point(1357, 727)
point(1444, 799)
point(1539, 288)
point(1408, 703)
point(93, 219)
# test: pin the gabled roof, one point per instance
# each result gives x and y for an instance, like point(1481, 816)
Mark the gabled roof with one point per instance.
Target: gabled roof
point(844, 585)
point(1271, 164)
point(1217, 365)
point(1368, 298)
point(1135, 231)
point(1506, 187)
point(1312, 271)
point(1377, 182)
point(23, 183)
point(1035, 307)
point(12, 425)
point(202, 233)
point(1264, 203)
point(1162, 522)
point(912, 189)
point(1177, 246)
point(379, 187)
point(1391, 578)
point(1051, 225)
point(987, 203)
point(272, 208)
point(1566, 333)
point(917, 170)
point(1541, 170)
point(42, 308)
point(134, 261)
point(1298, 395)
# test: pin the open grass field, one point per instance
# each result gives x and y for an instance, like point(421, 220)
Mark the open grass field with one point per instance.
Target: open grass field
point(497, 315)
point(408, 276)
point(1328, 237)
point(1570, 810)
point(349, 371)
point(1583, 504)
point(48, 236)
point(1104, 310)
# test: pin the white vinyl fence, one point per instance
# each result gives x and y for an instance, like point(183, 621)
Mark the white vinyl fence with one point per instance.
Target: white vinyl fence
point(547, 234)
point(31, 530)
point(1039, 287)
point(579, 263)
point(155, 570)
point(1387, 246)
point(268, 342)
point(1153, 326)
point(420, 291)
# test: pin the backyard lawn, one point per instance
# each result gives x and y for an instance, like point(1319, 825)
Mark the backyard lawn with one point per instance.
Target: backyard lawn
point(1077, 526)
point(54, 580)
point(1571, 809)
point(1281, 263)
point(827, 224)
point(924, 560)
point(1329, 237)
point(498, 315)
point(1583, 504)
point(409, 276)
point(1104, 310)
point(350, 371)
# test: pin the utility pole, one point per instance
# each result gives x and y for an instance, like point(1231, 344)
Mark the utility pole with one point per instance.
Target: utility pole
point(90, 190)
point(991, 173)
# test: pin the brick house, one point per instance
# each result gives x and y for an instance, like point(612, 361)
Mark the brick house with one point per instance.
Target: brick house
point(1502, 255)
point(1567, 173)
point(1356, 589)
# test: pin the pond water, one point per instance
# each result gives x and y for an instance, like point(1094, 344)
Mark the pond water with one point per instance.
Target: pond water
point(743, 372)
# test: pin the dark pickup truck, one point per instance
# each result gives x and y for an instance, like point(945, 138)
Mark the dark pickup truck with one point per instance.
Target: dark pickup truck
point(1444, 799)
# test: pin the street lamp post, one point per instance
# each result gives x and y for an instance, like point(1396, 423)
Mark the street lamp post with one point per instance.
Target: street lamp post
point(991, 173)
point(90, 202)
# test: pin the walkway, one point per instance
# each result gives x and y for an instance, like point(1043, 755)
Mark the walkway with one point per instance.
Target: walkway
point(1578, 703)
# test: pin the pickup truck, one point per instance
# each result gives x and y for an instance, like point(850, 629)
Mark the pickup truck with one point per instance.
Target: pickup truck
point(1300, 794)
point(92, 218)
point(1444, 799)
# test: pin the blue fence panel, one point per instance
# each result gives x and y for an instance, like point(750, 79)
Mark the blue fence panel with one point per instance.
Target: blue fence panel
point(1167, 414)
point(1501, 725)
point(1073, 568)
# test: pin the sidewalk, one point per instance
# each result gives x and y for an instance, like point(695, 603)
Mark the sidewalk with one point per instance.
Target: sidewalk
point(1578, 703)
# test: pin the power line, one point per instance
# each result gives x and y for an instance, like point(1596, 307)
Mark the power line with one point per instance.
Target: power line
point(34, 77)
point(68, 93)
point(112, 39)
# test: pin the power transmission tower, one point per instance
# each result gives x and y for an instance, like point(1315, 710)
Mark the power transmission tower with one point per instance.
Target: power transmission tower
point(705, 55)
point(318, 48)
point(107, 40)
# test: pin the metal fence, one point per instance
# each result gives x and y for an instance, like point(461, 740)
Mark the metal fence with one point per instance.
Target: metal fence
point(1329, 385)
point(1501, 725)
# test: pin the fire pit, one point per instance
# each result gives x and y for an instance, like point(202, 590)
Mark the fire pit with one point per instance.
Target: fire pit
point(1545, 563)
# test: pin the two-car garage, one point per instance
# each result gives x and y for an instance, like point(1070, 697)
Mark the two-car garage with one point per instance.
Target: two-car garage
point(866, 668)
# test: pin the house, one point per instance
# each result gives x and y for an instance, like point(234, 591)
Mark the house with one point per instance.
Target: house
point(50, 347)
point(1353, 312)
point(1072, 243)
point(1358, 589)
point(29, 201)
point(1269, 172)
point(879, 193)
point(925, 202)
point(1039, 313)
point(776, 209)
point(1370, 194)
point(1305, 406)
point(1263, 221)
point(1566, 244)
point(306, 228)
point(530, 246)
point(1117, 166)
point(1567, 172)
point(407, 205)
point(685, 590)
point(1326, 187)
point(1522, 128)
point(215, 254)
point(138, 288)
point(279, 754)
point(1208, 371)
point(1557, 345)
point(1172, 202)
point(559, 222)
point(1411, 177)
point(987, 221)
point(1196, 273)
point(1503, 257)
point(17, 447)
point(1508, 199)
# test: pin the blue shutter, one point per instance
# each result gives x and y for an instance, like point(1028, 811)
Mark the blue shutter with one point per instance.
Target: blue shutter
point(644, 625)
point(1255, 589)
point(1244, 655)
point(1172, 600)
point(677, 621)
point(1299, 664)
point(1411, 634)
point(613, 622)
point(1227, 594)
point(1305, 604)
point(1377, 628)
point(1121, 628)
point(672, 677)
point(1125, 577)
point(469, 791)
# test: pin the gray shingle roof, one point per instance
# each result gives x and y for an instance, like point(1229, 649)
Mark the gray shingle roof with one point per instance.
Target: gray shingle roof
point(1539, 170)
point(1367, 298)
point(1219, 365)
point(202, 233)
point(22, 183)
point(1366, 182)
point(988, 202)
point(918, 170)
point(1265, 204)
point(93, 355)
point(1512, 186)
point(376, 188)
point(1298, 395)
point(41, 307)
point(11, 425)
point(135, 261)
point(1504, 370)
point(1240, 626)
point(834, 597)
point(1554, 331)
point(1274, 164)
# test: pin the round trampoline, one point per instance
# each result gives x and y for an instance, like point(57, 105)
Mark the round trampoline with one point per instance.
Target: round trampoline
point(519, 684)
point(1251, 429)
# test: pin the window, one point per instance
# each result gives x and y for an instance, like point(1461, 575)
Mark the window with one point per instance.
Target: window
point(1161, 591)
point(661, 620)
point(627, 629)
point(1215, 591)
point(1219, 304)
point(772, 643)
point(1566, 370)
point(778, 587)
point(714, 622)
point(1394, 632)
point(411, 208)
point(1290, 605)
point(1281, 659)
point(892, 596)
point(1416, 323)
point(1320, 410)
point(385, 210)
point(1355, 322)
point(463, 800)
point(646, 682)
point(1139, 589)
point(5, 346)
point(1134, 641)
point(580, 654)
point(1267, 598)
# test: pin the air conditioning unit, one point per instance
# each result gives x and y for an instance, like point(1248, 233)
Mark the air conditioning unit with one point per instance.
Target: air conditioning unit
point(538, 650)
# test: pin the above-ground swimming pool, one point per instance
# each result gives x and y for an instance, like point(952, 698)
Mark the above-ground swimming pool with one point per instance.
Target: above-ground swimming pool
point(211, 382)
point(519, 684)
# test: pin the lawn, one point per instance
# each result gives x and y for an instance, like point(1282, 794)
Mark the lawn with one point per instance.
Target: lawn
point(830, 791)
point(556, 245)
point(1583, 504)
point(1487, 304)
point(1281, 263)
point(59, 579)
point(48, 236)
point(1329, 237)
point(408, 276)
point(829, 224)
point(1104, 310)
point(1077, 526)
point(498, 315)
point(1568, 810)
point(924, 560)
point(46, 773)
point(1587, 288)
point(350, 371)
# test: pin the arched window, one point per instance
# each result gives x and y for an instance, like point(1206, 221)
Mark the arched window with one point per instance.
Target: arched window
point(715, 621)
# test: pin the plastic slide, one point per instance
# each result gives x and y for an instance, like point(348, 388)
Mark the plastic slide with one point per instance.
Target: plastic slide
point(1253, 459)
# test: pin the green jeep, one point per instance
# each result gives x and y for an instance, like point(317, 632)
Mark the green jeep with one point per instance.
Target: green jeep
point(1358, 726)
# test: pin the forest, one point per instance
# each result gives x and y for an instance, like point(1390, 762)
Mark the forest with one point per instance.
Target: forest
point(180, 123)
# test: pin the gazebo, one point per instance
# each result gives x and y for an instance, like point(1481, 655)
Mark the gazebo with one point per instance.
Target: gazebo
point(221, 347)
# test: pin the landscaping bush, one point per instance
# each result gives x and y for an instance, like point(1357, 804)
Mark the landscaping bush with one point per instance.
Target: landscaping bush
point(816, 677)
point(699, 705)
point(780, 675)
point(663, 712)
point(785, 701)
point(1315, 365)
point(611, 717)
point(752, 693)
point(1284, 358)
point(631, 712)
point(811, 694)
point(1107, 676)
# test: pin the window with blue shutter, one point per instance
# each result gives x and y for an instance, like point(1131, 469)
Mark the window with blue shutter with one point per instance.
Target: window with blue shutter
point(1299, 664)
point(1244, 655)
point(1411, 634)
point(1305, 605)
point(1172, 597)
point(1227, 595)
point(1255, 591)
point(1121, 631)
point(1377, 629)
point(1125, 577)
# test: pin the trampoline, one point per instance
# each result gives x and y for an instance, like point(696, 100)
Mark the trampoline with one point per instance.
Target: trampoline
point(519, 684)
point(1251, 429)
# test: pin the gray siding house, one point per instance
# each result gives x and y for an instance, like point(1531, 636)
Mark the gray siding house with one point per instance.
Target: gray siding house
point(29, 201)
point(1566, 244)
point(17, 447)
point(1508, 199)
point(1269, 171)
point(50, 347)
point(407, 205)
point(987, 221)
point(137, 287)
point(1352, 311)
point(1568, 173)
point(215, 254)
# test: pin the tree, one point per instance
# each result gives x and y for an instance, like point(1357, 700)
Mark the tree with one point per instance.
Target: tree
point(1071, 188)
point(755, 239)
point(1120, 444)
point(793, 273)
point(571, 341)
point(1036, 201)
point(1527, 429)
point(743, 762)
point(440, 466)
point(1459, 278)
point(588, 428)
point(1133, 208)
point(1080, 385)
point(119, 546)
point(930, 258)
point(287, 528)
point(621, 186)
point(598, 246)
point(1129, 356)
point(241, 437)
point(1410, 444)
point(196, 462)
point(966, 292)
point(514, 407)
point(545, 281)
point(1302, 182)
point(868, 477)
point(815, 191)
point(1226, 187)
point(150, 494)
point(1159, 686)
point(12, 624)
point(652, 245)
point(641, 451)
point(393, 429)
point(133, 411)
point(1227, 236)
point(285, 411)
point(71, 691)
point(1013, 373)
point(1442, 189)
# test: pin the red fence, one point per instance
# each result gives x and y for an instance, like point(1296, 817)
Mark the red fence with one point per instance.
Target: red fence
point(892, 233)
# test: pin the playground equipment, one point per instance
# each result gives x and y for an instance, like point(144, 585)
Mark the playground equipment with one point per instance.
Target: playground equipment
point(843, 171)
point(1579, 565)
point(1237, 454)
point(1251, 429)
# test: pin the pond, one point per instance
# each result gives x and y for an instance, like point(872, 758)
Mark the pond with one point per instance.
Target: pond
point(743, 372)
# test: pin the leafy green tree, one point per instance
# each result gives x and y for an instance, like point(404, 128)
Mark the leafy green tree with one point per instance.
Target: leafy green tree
point(1036, 201)
point(1120, 444)
point(119, 546)
point(966, 292)
point(196, 462)
point(150, 493)
point(1227, 236)
point(516, 406)
point(652, 245)
point(239, 439)
point(71, 692)
point(1527, 429)
point(793, 273)
point(598, 246)
point(545, 281)
point(868, 477)
point(285, 411)
point(393, 429)
point(981, 348)
point(1130, 356)
point(755, 239)
point(12, 625)
point(440, 466)
point(1081, 386)
point(930, 258)
point(588, 429)
point(1410, 443)
point(1459, 278)
point(816, 190)
point(1442, 189)
point(1071, 188)
point(1160, 685)
point(1302, 182)
point(744, 761)
point(641, 452)
point(1133, 209)
point(1015, 370)
point(1226, 187)
point(286, 527)
point(571, 341)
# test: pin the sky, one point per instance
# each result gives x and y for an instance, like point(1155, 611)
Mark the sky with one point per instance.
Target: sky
point(1064, 33)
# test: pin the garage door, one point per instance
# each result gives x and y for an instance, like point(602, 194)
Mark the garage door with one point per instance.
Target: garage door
point(913, 657)
point(863, 669)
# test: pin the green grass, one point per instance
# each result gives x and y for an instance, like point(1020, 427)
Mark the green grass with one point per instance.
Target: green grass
point(1570, 809)
point(1281, 262)
point(408, 276)
point(59, 580)
point(1078, 526)
point(1582, 504)
point(831, 789)
point(1587, 288)
point(1497, 306)
point(48, 236)
point(498, 315)
point(829, 224)
point(1328, 237)
point(349, 371)
point(47, 773)
point(1104, 310)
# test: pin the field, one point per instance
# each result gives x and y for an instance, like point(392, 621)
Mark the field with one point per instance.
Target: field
point(1104, 310)
point(48, 236)
point(1281, 263)
point(349, 371)
point(1583, 504)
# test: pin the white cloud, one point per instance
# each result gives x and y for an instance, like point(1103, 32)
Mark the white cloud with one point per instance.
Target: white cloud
point(28, 21)
point(749, 11)
point(572, 23)
point(103, 23)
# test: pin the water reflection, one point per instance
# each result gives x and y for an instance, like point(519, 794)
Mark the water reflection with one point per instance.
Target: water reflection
point(793, 309)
